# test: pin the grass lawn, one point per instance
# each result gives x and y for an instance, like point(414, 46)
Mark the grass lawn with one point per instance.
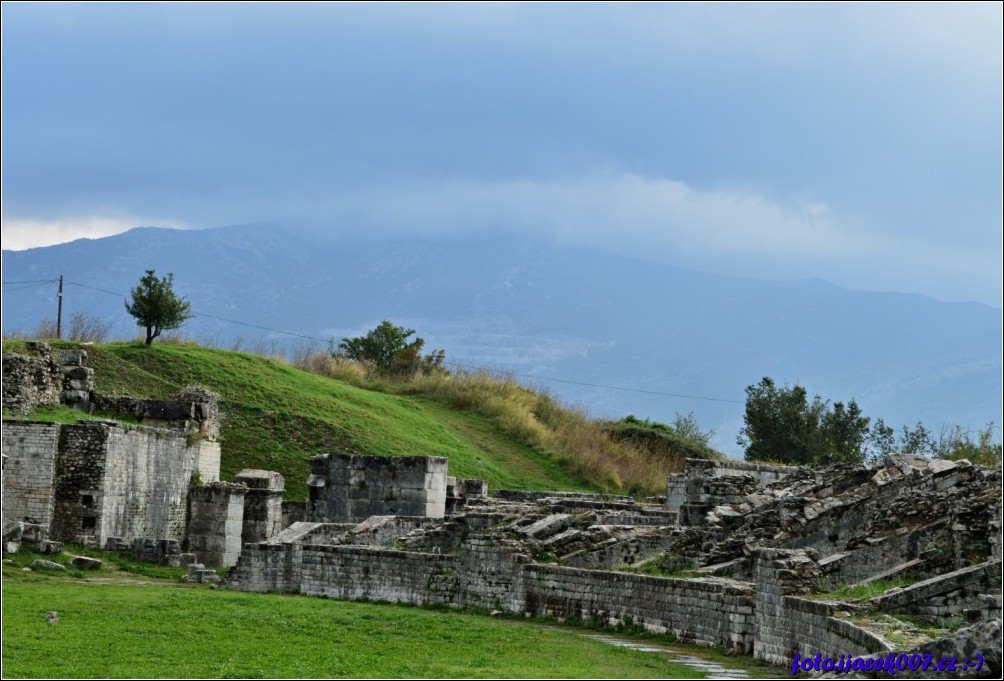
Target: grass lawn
point(128, 627)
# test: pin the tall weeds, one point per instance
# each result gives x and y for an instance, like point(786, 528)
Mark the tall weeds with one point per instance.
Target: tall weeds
point(532, 416)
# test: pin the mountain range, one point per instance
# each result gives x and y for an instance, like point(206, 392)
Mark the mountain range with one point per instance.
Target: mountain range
point(614, 334)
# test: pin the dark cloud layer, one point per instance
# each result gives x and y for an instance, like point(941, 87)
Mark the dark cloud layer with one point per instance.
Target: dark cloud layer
point(873, 131)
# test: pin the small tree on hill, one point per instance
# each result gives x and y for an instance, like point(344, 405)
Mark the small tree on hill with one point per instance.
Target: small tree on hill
point(156, 307)
point(387, 348)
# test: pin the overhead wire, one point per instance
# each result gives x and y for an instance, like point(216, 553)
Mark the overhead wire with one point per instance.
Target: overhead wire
point(463, 366)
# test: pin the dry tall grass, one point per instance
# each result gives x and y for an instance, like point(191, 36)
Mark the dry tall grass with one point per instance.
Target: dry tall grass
point(530, 415)
point(322, 363)
point(536, 417)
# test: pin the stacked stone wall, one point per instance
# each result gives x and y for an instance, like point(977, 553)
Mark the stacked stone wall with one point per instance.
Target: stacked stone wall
point(347, 488)
point(262, 504)
point(492, 576)
point(378, 574)
point(93, 480)
point(216, 522)
point(384, 530)
point(79, 495)
point(709, 612)
point(181, 415)
point(886, 554)
point(946, 595)
point(786, 624)
point(811, 628)
point(692, 486)
point(533, 496)
point(30, 449)
point(147, 475)
point(30, 381)
point(276, 565)
point(615, 553)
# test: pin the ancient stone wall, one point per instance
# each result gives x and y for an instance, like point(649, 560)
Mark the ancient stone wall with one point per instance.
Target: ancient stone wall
point(384, 530)
point(786, 624)
point(612, 554)
point(79, 485)
point(346, 488)
point(30, 450)
point(711, 612)
point(901, 554)
point(182, 415)
point(696, 485)
point(262, 504)
point(45, 376)
point(276, 565)
point(31, 380)
point(98, 479)
point(491, 576)
point(378, 574)
point(216, 522)
point(488, 574)
point(147, 474)
point(946, 595)
point(683, 488)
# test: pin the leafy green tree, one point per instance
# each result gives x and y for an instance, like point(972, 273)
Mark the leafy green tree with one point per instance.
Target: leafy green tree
point(845, 432)
point(156, 307)
point(983, 451)
point(782, 424)
point(953, 444)
point(918, 440)
point(387, 347)
point(882, 440)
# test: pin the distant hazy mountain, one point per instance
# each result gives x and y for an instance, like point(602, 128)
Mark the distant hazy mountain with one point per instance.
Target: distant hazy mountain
point(549, 311)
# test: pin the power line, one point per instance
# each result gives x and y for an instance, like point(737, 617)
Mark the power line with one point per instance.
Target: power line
point(468, 367)
point(95, 288)
point(258, 326)
point(21, 288)
point(594, 385)
point(31, 281)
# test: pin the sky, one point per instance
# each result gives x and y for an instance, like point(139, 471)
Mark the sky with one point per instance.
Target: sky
point(854, 142)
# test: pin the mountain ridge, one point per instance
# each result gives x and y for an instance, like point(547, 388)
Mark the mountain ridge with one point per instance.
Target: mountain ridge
point(556, 312)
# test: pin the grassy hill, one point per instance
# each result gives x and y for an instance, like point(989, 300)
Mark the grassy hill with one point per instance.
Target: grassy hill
point(276, 416)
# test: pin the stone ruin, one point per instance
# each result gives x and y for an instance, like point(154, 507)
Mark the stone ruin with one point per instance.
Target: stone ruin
point(737, 555)
point(120, 486)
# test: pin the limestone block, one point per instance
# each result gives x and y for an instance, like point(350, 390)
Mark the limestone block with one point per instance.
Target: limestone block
point(85, 563)
point(41, 564)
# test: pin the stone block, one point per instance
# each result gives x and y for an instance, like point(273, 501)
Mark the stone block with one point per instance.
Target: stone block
point(86, 563)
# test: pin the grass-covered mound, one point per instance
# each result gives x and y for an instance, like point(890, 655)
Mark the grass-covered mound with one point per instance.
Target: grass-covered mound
point(277, 416)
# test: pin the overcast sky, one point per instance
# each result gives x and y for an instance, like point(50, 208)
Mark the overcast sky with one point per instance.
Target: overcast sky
point(860, 143)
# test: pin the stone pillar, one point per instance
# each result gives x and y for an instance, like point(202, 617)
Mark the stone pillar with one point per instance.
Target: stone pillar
point(262, 504)
point(216, 519)
point(350, 488)
point(676, 492)
point(78, 380)
point(459, 490)
point(779, 573)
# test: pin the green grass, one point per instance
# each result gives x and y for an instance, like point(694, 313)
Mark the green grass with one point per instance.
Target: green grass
point(128, 630)
point(277, 417)
point(846, 592)
point(116, 562)
point(59, 413)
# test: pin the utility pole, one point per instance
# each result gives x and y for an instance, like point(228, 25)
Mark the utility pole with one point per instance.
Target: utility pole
point(59, 311)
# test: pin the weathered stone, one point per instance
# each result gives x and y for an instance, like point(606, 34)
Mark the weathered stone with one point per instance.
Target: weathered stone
point(42, 564)
point(86, 563)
